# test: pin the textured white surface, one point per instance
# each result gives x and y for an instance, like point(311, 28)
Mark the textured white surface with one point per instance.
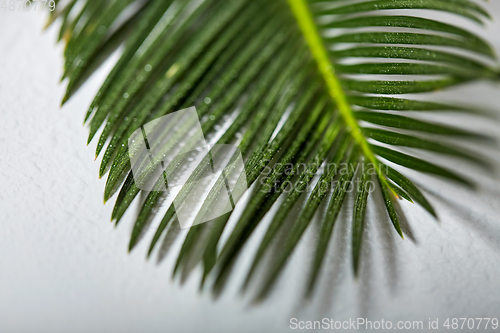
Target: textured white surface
point(65, 268)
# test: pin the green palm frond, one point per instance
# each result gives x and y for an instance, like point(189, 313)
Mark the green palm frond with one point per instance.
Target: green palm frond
point(307, 83)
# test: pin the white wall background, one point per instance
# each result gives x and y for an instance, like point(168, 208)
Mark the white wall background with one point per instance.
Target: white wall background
point(65, 268)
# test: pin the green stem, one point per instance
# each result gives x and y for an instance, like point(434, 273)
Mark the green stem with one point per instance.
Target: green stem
point(305, 20)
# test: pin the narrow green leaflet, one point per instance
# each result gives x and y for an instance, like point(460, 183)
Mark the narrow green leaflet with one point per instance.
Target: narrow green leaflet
point(358, 218)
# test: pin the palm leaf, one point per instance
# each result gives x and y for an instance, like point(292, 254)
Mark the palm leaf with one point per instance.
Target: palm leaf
point(303, 87)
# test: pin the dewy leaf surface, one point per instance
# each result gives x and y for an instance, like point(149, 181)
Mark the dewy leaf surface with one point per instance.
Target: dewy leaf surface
point(302, 88)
